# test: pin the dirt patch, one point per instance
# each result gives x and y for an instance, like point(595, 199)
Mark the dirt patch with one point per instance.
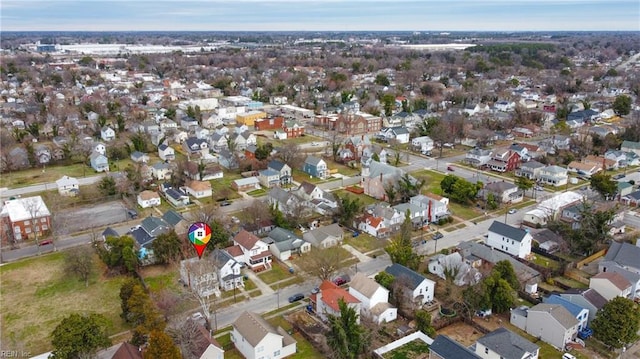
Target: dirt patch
point(462, 333)
point(77, 219)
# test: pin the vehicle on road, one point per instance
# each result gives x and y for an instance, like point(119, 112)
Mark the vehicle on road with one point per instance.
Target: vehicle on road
point(437, 235)
point(45, 242)
point(296, 297)
point(225, 203)
point(315, 290)
point(539, 188)
point(619, 176)
point(315, 144)
point(512, 211)
point(449, 168)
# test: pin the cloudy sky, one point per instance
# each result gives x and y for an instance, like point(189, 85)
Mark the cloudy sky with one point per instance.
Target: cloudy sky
point(320, 15)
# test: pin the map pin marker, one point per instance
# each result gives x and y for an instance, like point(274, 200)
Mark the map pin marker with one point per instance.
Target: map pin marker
point(199, 236)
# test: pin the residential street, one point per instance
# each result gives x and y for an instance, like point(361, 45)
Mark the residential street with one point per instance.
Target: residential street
point(6, 193)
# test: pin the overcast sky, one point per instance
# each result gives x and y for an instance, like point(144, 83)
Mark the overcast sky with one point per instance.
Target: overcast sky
point(320, 15)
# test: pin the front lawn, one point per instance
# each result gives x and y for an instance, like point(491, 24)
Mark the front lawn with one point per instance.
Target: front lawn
point(432, 181)
point(363, 198)
point(36, 294)
point(275, 274)
point(44, 174)
point(221, 187)
point(364, 242)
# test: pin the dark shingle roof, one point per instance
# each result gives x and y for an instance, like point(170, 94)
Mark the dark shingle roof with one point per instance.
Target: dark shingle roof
point(625, 254)
point(276, 165)
point(398, 271)
point(172, 217)
point(508, 344)
point(447, 348)
point(507, 231)
point(110, 232)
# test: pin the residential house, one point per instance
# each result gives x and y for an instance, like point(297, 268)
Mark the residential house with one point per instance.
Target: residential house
point(632, 199)
point(444, 265)
point(507, 238)
point(504, 105)
point(246, 184)
point(188, 123)
point(373, 297)
point(201, 276)
point(630, 146)
point(99, 162)
point(424, 144)
point(243, 140)
point(587, 298)
point(355, 145)
point(521, 150)
point(444, 347)
point(377, 176)
point(204, 346)
point(229, 274)
point(624, 259)
point(176, 197)
point(315, 167)
point(551, 208)
point(139, 157)
point(530, 170)
point(122, 350)
point(283, 244)
point(218, 141)
point(610, 285)
point(398, 134)
point(255, 252)
point(227, 159)
point(98, 147)
point(325, 236)
point(327, 298)
point(478, 157)
point(504, 161)
point(584, 169)
point(503, 343)
point(203, 171)
point(373, 225)
point(24, 218)
point(604, 162)
point(293, 129)
point(284, 171)
point(176, 221)
point(419, 289)
point(195, 146)
point(148, 199)
point(580, 313)
point(255, 338)
point(166, 153)
point(269, 178)
point(107, 133)
point(42, 154)
point(437, 207)
point(286, 201)
point(553, 175)
point(198, 189)
point(552, 323)
point(503, 192)
point(161, 171)
point(68, 186)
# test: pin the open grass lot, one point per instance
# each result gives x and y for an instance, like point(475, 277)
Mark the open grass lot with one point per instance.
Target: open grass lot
point(36, 175)
point(544, 261)
point(364, 199)
point(365, 243)
point(413, 349)
point(300, 176)
point(159, 277)
point(223, 186)
point(275, 274)
point(286, 283)
point(432, 180)
point(36, 295)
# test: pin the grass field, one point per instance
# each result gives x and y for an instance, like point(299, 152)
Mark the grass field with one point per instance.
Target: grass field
point(38, 175)
point(37, 294)
point(364, 199)
point(275, 274)
point(365, 243)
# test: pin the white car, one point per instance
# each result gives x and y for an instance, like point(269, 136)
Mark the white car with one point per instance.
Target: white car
point(512, 211)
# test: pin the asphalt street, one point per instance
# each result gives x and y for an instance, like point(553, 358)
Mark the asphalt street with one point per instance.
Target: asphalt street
point(6, 193)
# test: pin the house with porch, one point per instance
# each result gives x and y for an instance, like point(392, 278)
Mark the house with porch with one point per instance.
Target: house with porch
point(478, 157)
point(99, 162)
point(553, 175)
point(166, 153)
point(325, 236)
point(107, 133)
point(255, 252)
point(229, 275)
point(269, 178)
point(68, 186)
point(503, 192)
point(377, 176)
point(530, 170)
point(198, 189)
point(504, 160)
point(284, 171)
point(315, 167)
point(419, 289)
point(283, 244)
point(437, 207)
point(373, 297)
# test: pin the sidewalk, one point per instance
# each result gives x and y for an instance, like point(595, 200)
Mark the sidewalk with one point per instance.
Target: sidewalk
point(264, 288)
point(361, 257)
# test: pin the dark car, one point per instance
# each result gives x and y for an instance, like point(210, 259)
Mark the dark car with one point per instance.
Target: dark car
point(296, 297)
point(437, 235)
point(45, 242)
point(132, 214)
point(449, 168)
point(225, 203)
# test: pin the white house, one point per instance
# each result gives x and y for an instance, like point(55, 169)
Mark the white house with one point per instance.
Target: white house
point(503, 343)
point(255, 252)
point(255, 338)
point(478, 157)
point(198, 189)
point(420, 289)
point(228, 270)
point(107, 133)
point(161, 171)
point(374, 298)
point(436, 207)
point(68, 186)
point(553, 175)
point(610, 285)
point(166, 153)
point(399, 134)
point(512, 240)
point(148, 199)
point(423, 144)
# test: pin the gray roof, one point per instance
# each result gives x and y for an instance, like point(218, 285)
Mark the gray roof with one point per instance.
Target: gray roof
point(508, 344)
point(269, 173)
point(488, 254)
point(276, 165)
point(319, 234)
point(141, 236)
point(499, 187)
point(172, 217)
point(447, 348)
point(364, 285)
point(557, 311)
point(110, 232)
point(279, 234)
point(591, 295)
point(312, 160)
point(625, 254)
point(508, 231)
point(377, 168)
point(414, 278)
point(532, 165)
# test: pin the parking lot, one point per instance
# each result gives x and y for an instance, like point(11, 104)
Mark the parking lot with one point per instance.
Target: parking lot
point(77, 219)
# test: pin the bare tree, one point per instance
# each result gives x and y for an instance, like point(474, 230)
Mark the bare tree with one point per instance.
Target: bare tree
point(36, 210)
point(324, 263)
point(256, 212)
point(206, 213)
point(79, 262)
point(291, 155)
point(202, 280)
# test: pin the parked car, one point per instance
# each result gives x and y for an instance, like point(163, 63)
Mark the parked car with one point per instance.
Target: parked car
point(315, 290)
point(449, 168)
point(437, 236)
point(45, 242)
point(512, 211)
point(619, 176)
point(340, 280)
point(225, 203)
point(296, 297)
point(568, 356)
point(132, 214)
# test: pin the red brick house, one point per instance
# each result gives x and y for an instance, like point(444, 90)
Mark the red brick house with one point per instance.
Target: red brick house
point(357, 124)
point(274, 123)
point(504, 161)
point(24, 218)
point(293, 129)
